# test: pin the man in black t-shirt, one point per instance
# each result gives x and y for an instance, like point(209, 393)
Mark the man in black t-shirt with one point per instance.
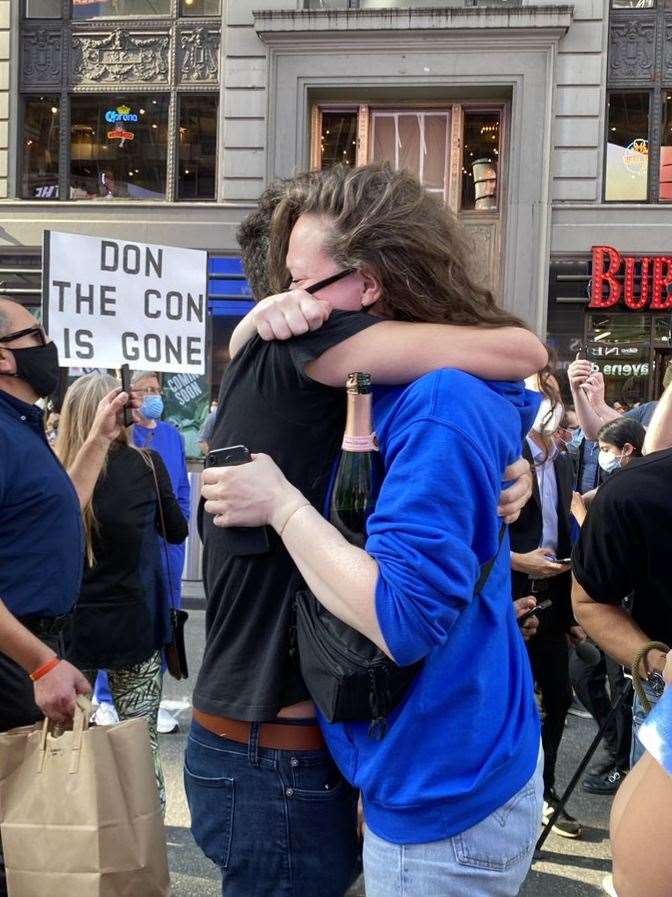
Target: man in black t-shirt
point(625, 548)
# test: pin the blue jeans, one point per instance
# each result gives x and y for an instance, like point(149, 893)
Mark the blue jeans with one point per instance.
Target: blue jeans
point(491, 859)
point(277, 823)
point(638, 716)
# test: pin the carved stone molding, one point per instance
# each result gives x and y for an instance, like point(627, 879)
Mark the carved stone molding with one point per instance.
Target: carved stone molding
point(41, 58)
point(119, 58)
point(198, 56)
point(632, 49)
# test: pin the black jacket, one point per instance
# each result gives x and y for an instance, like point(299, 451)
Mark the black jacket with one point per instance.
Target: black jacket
point(122, 615)
point(526, 535)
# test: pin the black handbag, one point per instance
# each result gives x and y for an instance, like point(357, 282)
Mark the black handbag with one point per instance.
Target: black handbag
point(175, 651)
point(347, 675)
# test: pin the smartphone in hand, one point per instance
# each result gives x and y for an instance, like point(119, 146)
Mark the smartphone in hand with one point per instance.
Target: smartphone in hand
point(126, 387)
point(534, 610)
point(238, 540)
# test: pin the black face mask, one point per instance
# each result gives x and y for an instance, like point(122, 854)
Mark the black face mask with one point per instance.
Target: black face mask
point(38, 366)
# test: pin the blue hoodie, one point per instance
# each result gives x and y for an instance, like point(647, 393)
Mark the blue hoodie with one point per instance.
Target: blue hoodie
point(466, 736)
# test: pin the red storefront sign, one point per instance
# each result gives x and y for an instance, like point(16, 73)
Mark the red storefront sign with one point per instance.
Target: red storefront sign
point(616, 272)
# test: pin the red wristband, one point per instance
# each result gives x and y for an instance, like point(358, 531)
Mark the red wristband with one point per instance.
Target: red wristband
point(45, 668)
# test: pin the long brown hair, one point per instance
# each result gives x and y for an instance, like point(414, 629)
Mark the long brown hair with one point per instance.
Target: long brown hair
point(77, 414)
point(384, 221)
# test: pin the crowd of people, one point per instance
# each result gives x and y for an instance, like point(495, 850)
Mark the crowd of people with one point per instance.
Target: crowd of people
point(514, 559)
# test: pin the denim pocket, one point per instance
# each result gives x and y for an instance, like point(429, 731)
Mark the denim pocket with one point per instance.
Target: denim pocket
point(505, 837)
point(211, 804)
point(315, 777)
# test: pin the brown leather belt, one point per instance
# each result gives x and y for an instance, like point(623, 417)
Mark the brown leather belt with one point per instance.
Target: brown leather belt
point(282, 737)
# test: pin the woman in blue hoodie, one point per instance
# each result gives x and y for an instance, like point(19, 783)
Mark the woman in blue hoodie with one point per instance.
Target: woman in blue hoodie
point(452, 793)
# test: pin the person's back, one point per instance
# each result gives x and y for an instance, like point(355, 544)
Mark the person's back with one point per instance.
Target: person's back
point(445, 440)
point(639, 497)
point(271, 406)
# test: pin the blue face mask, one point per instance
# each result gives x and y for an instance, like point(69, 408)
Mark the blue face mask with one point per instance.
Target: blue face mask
point(152, 407)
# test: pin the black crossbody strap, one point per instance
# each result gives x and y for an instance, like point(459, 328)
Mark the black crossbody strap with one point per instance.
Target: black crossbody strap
point(150, 463)
point(486, 569)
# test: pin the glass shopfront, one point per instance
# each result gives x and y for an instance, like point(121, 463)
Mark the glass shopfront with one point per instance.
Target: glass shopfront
point(118, 146)
point(631, 346)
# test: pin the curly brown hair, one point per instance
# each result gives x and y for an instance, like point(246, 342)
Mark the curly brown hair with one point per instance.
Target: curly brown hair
point(383, 221)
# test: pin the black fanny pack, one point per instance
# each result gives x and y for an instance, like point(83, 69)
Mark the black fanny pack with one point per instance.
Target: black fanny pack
point(347, 675)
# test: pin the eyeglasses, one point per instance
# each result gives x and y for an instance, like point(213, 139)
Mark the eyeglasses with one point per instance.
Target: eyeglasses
point(147, 390)
point(327, 281)
point(29, 331)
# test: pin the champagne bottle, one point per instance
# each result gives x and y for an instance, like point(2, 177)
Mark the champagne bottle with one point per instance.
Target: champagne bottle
point(359, 472)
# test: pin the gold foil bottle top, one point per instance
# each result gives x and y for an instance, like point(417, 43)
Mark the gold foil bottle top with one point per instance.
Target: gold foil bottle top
point(358, 382)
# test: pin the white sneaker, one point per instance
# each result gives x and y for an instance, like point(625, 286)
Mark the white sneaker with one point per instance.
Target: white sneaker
point(608, 885)
point(105, 715)
point(166, 724)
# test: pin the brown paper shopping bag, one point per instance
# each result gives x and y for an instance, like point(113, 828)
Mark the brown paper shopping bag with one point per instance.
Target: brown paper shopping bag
point(80, 813)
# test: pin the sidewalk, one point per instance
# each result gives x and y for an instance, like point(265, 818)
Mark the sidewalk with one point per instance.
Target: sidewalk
point(565, 869)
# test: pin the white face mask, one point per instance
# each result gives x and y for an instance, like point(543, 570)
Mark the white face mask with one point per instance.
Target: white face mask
point(608, 461)
point(543, 423)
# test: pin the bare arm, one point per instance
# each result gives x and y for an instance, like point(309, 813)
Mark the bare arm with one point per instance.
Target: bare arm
point(640, 817)
point(395, 351)
point(400, 352)
point(85, 469)
point(55, 692)
point(613, 629)
point(588, 394)
point(659, 432)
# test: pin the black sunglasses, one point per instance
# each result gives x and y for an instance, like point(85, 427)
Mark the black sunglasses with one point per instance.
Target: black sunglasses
point(327, 281)
point(29, 331)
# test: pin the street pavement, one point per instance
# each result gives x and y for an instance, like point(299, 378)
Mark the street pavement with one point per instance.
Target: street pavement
point(566, 868)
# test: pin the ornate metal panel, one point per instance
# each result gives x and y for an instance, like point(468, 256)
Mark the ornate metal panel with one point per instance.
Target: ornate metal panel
point(42, 58)
point(632, 48)
point(667, 50)
point(120, 58)
point(198, 56)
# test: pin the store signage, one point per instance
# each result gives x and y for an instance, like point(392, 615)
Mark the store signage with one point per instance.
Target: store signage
point(121, 113)
point(116, 117)
point(613, 280)
point(125, 302)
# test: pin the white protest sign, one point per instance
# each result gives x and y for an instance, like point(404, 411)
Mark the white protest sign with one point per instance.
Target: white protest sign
point(106, 302)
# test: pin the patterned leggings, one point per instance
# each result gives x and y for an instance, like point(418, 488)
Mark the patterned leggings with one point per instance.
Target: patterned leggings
point(136, 692)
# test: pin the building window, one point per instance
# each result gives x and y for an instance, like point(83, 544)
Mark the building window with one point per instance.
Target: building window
point(103, 9)
point(43, 9)
point(338, 138)
point(415, 141)
point(665, 174)
point(633, 4)
point(627, 162)
point(118, 146)
point(480, 160)
point(199, 7)
point(197, 151)
point(40, 143)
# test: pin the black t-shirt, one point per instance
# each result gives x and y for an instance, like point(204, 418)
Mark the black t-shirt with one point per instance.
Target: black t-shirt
point(269, 404)
point(625, 543)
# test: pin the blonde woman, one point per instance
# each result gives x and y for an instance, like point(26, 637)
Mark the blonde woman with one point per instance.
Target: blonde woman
point(121, 618)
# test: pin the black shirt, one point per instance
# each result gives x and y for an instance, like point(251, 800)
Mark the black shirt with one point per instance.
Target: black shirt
point(269, 404)
point(625, 543)
point(122, 615)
